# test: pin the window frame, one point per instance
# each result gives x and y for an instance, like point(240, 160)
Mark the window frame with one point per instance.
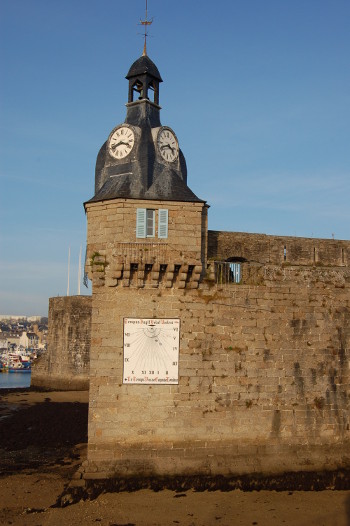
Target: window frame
point(146, 223)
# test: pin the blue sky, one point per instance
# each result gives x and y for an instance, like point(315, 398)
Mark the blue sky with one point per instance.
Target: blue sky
point(257, 92)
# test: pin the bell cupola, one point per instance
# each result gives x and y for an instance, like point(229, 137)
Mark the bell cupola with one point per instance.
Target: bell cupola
point(144, 79)
point(141, 158)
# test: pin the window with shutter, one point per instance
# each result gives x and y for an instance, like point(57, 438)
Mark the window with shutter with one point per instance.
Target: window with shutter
point(146, 220)
point(162, 223)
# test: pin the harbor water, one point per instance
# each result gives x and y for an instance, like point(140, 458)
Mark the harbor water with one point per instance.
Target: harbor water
point(13, 380)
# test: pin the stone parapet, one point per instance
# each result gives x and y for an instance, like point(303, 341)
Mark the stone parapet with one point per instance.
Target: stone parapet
point(113, 260)
point(277, 250)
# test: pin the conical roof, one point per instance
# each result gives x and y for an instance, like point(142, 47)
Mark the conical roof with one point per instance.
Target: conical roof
point(142, 66)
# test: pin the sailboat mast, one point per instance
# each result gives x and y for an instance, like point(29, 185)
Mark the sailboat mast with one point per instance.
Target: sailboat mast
point(68, 271)
point(79, 271)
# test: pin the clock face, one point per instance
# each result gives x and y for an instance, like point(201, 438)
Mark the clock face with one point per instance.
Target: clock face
point(167, 145)
point(151, 351)
point(121, 142)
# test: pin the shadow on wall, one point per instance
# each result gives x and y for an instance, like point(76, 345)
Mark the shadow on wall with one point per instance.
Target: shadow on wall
point(347, 508)
point(213, 237)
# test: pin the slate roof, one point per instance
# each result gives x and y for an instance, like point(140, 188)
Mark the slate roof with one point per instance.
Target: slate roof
point(143, 174)
point(168, 186)
point(32, 335)
point(144, 65)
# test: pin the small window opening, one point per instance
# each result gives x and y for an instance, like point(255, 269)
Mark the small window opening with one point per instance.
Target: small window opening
point(152, 88)
point(148, 270)
point(284, 253)
point(162, 272)
point(314, 254)
point(342, 256)
point(190, 270)
point(133, 273)
point(235, 269)
point(235, 272)
point(228, 272)
point(189, 273)
point(176, 270)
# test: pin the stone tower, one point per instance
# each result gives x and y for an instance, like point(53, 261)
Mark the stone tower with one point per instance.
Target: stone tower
point(146, 249)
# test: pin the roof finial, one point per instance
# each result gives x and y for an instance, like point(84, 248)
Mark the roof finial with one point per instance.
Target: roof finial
point(145, 23)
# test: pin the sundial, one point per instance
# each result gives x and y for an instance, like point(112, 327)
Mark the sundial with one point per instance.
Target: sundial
point(151, 351)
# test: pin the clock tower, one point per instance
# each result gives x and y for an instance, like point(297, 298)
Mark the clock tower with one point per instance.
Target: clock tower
point(141, 159)
point(146, 255)
point(152, 223)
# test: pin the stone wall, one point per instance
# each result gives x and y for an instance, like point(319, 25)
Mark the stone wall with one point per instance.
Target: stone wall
point(66, 363)
point(263, 375)
point(264, 249)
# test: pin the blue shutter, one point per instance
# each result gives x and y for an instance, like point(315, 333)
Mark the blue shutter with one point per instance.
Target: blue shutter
point(141, 222)
point(163, 223)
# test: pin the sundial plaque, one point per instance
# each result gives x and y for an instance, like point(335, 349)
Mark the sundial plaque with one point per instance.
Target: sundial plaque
point(151, 351)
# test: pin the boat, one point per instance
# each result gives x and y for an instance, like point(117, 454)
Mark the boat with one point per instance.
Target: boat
point(17, 366)
point(15, 362)
point(19, 369)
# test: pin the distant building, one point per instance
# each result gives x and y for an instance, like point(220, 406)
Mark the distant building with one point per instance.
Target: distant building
point(3, 341)
point(29, 340)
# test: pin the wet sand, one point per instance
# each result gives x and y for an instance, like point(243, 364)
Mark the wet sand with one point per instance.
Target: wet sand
point(43, 441)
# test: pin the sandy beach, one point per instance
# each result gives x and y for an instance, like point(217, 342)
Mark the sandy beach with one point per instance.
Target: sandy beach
point(43, 441)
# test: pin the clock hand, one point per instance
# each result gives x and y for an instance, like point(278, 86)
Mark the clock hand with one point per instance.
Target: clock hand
point(114, 146)
point(167, 146)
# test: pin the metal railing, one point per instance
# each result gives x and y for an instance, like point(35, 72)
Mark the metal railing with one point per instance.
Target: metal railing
point(227, 272)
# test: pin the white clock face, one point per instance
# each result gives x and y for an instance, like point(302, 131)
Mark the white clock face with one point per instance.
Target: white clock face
point(167, 145)
point(121, 142)
point(151, 351)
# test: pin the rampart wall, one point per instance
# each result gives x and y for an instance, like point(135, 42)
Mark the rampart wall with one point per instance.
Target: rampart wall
point(66, 364)
point(278, 250)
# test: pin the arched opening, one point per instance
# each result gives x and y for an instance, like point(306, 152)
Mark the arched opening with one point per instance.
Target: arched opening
point(235, 269)
point(137, 90)
point(229, 271)
point(152, 86)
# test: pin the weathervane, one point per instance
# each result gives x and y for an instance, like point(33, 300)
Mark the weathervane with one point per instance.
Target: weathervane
point(145, 23)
